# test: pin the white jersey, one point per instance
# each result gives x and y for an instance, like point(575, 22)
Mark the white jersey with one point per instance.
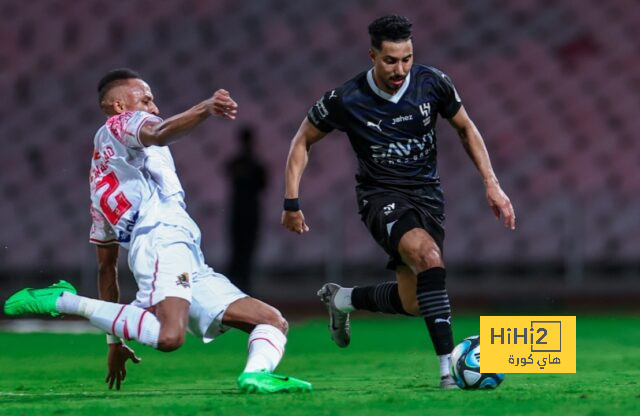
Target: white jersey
point(137, 201)
point(127, 179)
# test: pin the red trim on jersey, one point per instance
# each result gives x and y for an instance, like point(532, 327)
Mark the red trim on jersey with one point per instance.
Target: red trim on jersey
point(153, 284)
point(125, 331)
point(113, 326)
point(140, 323)
point(137, 133)
point(265, 339)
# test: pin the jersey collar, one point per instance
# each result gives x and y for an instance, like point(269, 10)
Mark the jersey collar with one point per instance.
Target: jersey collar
point(383, 94)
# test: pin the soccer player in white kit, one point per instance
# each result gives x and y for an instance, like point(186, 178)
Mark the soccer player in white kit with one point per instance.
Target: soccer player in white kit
point(137, 203)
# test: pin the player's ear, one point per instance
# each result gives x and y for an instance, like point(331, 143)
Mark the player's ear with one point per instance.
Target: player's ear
point(372, 55)
point(118, 106)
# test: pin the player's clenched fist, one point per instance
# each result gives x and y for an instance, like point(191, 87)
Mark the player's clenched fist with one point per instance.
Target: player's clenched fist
point(221, 104)
point(294, 221)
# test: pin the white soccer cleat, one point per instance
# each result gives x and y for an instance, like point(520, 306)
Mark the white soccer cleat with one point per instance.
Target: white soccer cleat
point(338, 321)
point(447, 382)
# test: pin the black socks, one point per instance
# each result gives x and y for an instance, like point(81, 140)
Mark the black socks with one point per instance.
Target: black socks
point(380, 298)
point(433, 302)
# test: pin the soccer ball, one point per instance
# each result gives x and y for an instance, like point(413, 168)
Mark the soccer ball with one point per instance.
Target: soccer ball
point(465, 367)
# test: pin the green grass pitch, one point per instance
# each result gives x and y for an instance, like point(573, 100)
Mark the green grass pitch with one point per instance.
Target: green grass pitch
point(389, 369)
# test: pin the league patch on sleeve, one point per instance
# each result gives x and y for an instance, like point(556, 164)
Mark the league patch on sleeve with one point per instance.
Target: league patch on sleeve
point(117, 124)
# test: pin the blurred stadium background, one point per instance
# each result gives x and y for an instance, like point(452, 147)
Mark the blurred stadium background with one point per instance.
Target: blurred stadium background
point(554, 86)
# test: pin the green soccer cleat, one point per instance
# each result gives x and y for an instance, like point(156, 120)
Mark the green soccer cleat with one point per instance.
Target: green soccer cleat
point(37, 301)
point(265, 382)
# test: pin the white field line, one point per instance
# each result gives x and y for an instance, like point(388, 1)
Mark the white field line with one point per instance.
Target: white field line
point(107, 393)
point(49, 326)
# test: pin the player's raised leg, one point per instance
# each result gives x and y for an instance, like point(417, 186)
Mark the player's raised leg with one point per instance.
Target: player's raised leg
point(341, 301)
point(423, 257)
point(267, 338)
point(337, 299)
point(37, 301)
point(164, 331)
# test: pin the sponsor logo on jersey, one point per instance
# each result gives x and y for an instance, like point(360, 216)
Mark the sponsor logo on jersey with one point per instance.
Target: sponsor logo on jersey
point(404, 151)
point(333, 94)
point(374, 125)
point(183, 280)
point(125, 236)
point(401, 119)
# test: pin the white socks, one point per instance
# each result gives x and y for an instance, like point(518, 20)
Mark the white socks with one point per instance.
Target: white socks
point(342, 300)
point(445, 361)
point(266, 347)
point(125, 321)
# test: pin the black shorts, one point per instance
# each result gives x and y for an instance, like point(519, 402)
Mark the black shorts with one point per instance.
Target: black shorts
point(389, 212)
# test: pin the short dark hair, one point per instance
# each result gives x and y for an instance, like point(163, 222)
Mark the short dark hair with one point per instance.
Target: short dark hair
point(106, 82)
point(393, 28)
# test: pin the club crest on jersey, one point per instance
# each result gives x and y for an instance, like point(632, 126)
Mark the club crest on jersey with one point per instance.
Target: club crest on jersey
point(183, 280)
point(374, 125)
point(425, 110)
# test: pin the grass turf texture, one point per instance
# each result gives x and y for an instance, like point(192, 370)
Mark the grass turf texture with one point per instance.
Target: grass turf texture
point(389, 369)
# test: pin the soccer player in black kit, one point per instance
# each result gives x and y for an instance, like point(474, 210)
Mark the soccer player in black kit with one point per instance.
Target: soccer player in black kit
point(389, 114)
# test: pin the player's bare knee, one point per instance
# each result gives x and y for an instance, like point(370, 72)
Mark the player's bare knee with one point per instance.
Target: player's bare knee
point(170, 341)
point(431, 257)
point(421, 258)
point(284, 326)
point(280, 323)
point(275, 318)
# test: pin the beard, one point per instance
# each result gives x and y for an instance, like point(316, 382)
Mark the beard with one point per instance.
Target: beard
point(395, 82)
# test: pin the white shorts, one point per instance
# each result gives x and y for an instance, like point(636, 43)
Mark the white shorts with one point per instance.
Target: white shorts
point(212, 294)
point(166, 262)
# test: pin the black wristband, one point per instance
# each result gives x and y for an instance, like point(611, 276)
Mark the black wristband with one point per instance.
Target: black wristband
point(291, 204)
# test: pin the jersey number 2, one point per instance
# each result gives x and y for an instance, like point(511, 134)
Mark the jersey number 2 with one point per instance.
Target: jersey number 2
point(122, 203)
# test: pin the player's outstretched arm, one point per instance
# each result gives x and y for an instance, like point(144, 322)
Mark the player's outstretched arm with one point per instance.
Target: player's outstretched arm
point(107, 258)
point(108, 290)
point(165, 132)
point(477, 151)
point(116, 363)
point(308, 134)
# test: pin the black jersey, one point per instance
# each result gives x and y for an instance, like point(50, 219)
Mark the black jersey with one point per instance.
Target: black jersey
point(393, 136)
